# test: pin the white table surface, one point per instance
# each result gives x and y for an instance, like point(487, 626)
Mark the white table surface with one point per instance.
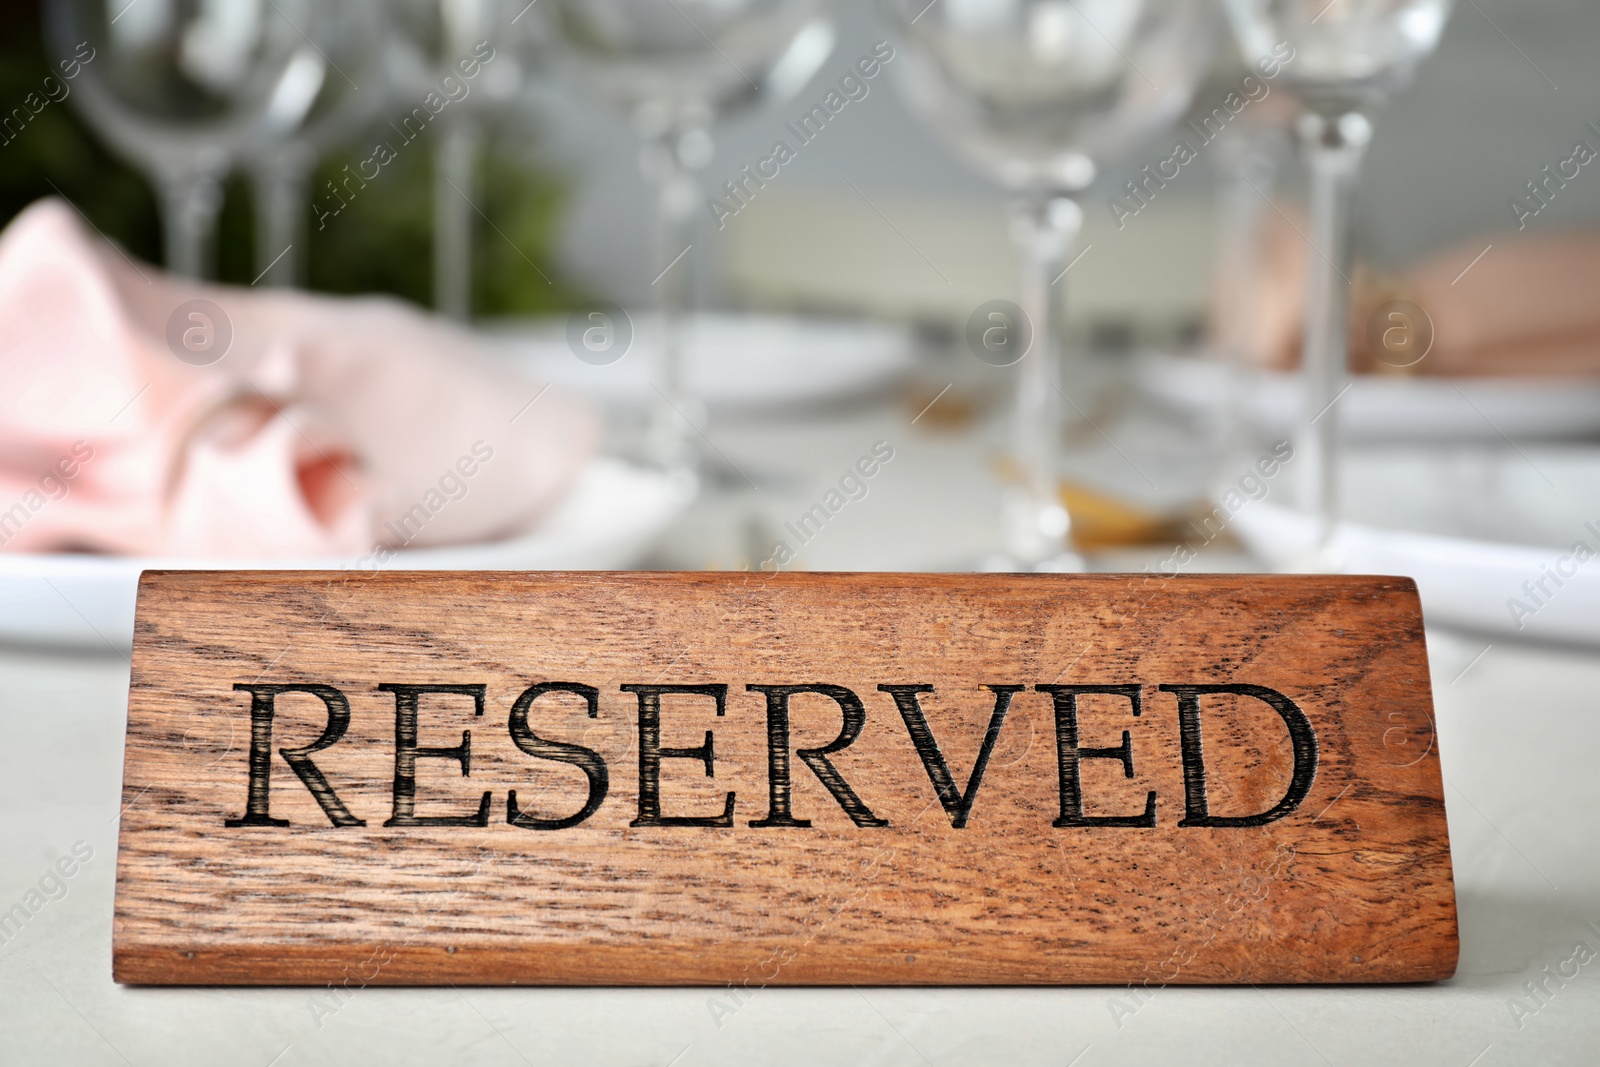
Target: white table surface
point(1519, 735)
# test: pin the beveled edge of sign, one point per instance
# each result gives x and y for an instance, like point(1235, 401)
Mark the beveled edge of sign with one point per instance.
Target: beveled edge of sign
point(1389, 583)
point(685, 964)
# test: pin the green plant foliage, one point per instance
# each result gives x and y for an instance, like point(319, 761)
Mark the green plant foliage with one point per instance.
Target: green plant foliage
point(381, 239)
point(53, 154)
point(380, 242)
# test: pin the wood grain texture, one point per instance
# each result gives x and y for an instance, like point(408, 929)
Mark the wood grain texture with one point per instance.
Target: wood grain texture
point(1352, 883)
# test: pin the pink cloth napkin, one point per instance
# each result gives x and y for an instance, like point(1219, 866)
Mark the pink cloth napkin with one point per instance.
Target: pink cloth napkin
point(1521, 305)
point(1507, 304)
point(329, 427)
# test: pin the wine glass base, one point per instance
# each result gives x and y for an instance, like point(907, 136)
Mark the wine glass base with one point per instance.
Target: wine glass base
point(710, 471)
point(1061, 563)
point(719, 474)
point(1326, 556)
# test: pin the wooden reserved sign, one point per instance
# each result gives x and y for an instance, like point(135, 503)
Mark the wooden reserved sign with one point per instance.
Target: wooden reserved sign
point(495, 778)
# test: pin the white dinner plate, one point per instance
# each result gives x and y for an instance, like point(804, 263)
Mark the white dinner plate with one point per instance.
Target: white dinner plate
point(1490, 535)
point(605, 522)
point(732, 362)
point(1384, 407)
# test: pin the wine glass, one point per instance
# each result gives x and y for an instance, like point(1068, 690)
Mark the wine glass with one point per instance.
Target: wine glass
point(182, 90)
point(1344, 61)
point(496, 40)
point(1249, 165)
point(672, 68)
point(350, 36)
point(1037, 93)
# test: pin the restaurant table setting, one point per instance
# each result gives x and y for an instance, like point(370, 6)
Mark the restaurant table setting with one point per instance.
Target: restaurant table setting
point(245, 452)
point(1437, 420)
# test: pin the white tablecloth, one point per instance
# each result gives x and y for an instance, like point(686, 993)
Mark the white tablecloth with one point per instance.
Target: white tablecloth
point(1519, 735)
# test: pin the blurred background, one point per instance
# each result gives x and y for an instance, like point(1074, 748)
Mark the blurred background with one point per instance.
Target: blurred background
point(1478, 123)
point(590, 196)
point(1145, 286)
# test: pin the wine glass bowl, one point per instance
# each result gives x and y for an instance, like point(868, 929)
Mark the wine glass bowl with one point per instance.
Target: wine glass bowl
point(1034, 93)
point(684, 64)
point(427, 39)
point(191, 72)
point(1348, 54)
point(183, 89)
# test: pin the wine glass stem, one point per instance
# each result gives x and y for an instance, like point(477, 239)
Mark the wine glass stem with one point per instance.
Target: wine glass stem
point(1248, 179)
point(281, 206)
point(190, 201)
point(677, 197)
point(1333, 147)
point(1035, 523)
point(455, 169)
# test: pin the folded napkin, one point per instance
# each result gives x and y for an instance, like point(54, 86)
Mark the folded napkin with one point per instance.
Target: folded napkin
point(1524, 307)
point(326, 427)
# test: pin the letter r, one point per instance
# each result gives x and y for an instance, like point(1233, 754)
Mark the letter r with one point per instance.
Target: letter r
point(257, 806)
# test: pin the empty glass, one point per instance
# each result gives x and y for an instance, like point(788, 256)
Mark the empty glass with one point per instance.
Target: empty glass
point(673, 67)
point(350, 37)
point(1037, 93)
point(182, 89)
point(1344, 60)
point(435, 43)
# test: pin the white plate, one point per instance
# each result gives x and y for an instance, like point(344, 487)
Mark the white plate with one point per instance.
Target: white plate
point(732, 362)
point(605, 522)
point(1477, 528)
point(1385, 408)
